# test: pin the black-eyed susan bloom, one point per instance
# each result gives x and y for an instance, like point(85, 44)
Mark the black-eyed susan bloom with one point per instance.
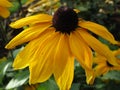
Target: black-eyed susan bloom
point(54, 42)
point(102, 64)
point(4, 5)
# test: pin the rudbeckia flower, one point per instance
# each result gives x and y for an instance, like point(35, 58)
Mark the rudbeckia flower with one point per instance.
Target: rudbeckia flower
point(102, 64)
point(4, 5)
point(53, 42)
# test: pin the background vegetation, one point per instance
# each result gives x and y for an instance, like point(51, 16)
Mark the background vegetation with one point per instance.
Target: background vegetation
point(105, 12)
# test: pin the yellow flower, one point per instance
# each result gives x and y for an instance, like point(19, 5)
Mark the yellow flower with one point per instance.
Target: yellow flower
point(103, 66)
point(4, 12)
point(53, 44)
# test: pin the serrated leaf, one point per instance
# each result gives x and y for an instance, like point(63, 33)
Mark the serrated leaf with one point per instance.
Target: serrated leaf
point(18, 80)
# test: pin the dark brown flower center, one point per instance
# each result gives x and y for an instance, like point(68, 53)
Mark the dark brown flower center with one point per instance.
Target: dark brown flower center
point(65, 20)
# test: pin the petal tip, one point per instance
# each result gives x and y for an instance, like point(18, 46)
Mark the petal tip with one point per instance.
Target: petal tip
point(12, 25)
point(8, 47)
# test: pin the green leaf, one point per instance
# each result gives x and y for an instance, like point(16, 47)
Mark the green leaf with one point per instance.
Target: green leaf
point(48, 85)
point(3, 68)
point(16, 5)
point(18, 80)
point(16, 51)
point(75, 86)
point(112, 75)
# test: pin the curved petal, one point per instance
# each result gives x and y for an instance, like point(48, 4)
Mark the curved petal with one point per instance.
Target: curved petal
point(80, 50)
point(99, 60)
point(41, 65)
point(65, 80)
point(90, 76)
point(98, 46)
point(117, 53)
point(99, 30)
point(4, 12)
point(61, 55)
point(115, 68)
point(24, 57)
point(101, 69)
point(31, 20)
point(5, 3)
point(84, 55)
point(28, 35)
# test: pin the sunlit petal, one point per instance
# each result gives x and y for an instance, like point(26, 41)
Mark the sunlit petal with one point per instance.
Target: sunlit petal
point(65, 80)
point(115, 67)
point(24, 57)
point(80, 50)
point(61, 56)
point(99, 58)
point(99, 30)
point(103, 66)
point(96, 45)
point(101, 69)
point(41, 66)
point(117, 53)
point(90, 76)
point(27, 35)
point(4, 12)
point(31, 19)
point(5, 3)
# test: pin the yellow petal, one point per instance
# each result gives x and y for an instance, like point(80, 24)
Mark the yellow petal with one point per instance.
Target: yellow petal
point(101, 69)
point(65, 80)
point(24, 57)
point(117, 53)
point(80, 50)
point(61, 55)
point(90, 76)
point(28, 35)
point(4, 12)
point(115, 67)
point(40, 18)
point(99, 30)
point(99, 59)
point(76, 10)
point(41, 65)
point(5, 3)
point(98, 46)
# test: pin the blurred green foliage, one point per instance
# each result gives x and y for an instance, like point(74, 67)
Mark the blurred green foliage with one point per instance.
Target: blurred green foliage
point(105, 12)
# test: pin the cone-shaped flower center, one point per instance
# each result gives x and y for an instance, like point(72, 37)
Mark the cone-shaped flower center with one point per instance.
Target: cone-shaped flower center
point(65, 20)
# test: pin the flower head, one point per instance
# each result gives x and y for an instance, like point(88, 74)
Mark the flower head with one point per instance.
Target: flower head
point(63, 23)
point(53, 44)
point(4, 4)
point(102, 64)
